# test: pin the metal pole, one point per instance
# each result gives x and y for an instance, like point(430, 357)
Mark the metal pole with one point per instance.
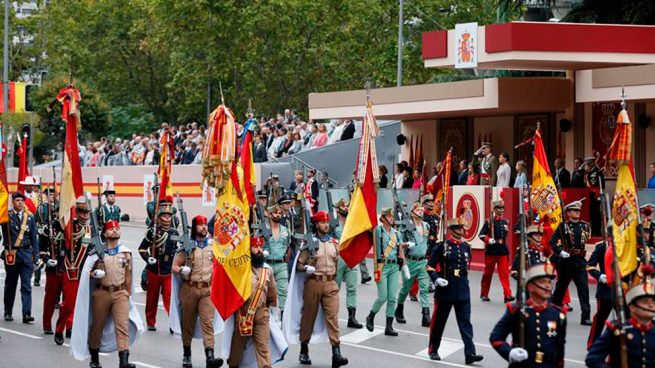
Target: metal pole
point(5, 65)
point(399, 75)
point(31, 154)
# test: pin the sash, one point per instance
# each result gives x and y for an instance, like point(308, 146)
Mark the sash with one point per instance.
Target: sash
point(246, 321)
point(10, 253)
point(387, 251)
point(73, 269)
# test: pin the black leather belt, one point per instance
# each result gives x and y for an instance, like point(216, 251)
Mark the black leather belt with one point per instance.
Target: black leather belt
point(387, 261)
point(275, 261)
point(417, 259)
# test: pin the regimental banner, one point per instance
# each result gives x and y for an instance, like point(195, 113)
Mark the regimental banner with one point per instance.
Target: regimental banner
point(602, 131)
point(466, 45)
point(107, 183)
point(148, 182)
point(469, 202)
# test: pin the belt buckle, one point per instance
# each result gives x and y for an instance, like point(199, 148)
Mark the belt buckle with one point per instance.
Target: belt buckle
point(539, 357)
point(111, 289)
point(456, 272)
point(199, 285)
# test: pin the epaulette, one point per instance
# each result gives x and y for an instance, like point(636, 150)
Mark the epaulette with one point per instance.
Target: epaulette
point(612, 325)
point(512, 307)
point(562, 311)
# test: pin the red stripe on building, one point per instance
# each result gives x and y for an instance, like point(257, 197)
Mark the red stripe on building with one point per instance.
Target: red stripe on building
point(434, 44)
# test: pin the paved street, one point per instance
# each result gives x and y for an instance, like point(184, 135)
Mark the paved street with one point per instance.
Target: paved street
point(26, 346)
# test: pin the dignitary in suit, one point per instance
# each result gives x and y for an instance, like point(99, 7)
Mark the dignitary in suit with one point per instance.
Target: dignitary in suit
point(106, 319)
point(110, 210)
point(562, 175)
point(20, 255)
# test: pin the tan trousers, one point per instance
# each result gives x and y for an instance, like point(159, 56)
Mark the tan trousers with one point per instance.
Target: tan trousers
point(196, 302)
point(118, 305)
point(260, 335)
point(325, 293)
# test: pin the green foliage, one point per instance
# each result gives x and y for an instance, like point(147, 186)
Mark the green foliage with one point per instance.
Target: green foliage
point(126, 120)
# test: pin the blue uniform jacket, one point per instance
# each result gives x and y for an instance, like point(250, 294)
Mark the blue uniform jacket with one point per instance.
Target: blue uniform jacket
point(453, 266)
point(501, 229)
point(640, 340)
point(28, 251)
point(603, 291)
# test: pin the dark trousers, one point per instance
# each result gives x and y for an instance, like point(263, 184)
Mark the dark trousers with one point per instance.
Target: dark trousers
point(567, 272)
point(439, 319)
point(11, 282)
point(603, 310)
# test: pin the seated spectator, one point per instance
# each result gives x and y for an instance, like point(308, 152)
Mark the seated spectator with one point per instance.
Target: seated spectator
point(321, 137)
point(95, 155)
point(348, 131)
point(259, 150)
point(417, 180)
point(296, 146)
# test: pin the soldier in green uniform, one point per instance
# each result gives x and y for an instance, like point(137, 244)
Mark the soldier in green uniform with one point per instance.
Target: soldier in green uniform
point(415, 251)
point(344, 272)
point(276, 251)
point(109, 211)
point(387, 262)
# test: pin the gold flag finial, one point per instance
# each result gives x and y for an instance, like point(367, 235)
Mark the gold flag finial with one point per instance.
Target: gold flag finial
point(623, 96)
point(220, 87)
point(367, 86)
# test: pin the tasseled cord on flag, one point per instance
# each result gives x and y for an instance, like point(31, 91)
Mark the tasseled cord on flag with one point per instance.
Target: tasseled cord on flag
point(220, 149)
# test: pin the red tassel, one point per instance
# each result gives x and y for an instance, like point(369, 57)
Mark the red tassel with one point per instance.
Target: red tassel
point(647, 269)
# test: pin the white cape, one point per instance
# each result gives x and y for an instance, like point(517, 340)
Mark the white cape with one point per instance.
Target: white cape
point(84, 315)
point(293, 311)
point(277, 344)
point(175, 317)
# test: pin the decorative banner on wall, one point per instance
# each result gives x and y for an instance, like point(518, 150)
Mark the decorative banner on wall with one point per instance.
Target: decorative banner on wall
point(469, 202)
point(108, 182)
point(148, 182)
point(466, 45)
point(208, 196)
point(602, 130)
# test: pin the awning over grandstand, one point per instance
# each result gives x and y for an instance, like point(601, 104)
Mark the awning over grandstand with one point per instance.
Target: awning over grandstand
point(480, 97)
point(605, 84)
point(546, 46)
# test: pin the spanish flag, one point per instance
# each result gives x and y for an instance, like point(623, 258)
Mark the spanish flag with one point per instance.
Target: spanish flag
point(624, 206)
point(4, 188)
point(544, 198)
point(166, 158)
point(357, 236)
point(232, 275)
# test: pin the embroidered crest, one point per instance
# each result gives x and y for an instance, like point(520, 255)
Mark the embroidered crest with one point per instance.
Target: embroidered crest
point(230, 223)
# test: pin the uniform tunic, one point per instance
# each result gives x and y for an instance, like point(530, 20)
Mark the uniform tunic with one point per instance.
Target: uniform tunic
point(417, 264)
point(25, 254)
point(194, 294)
point(495, 255)
point(277, 252)
point(604, 292)
point(388, 283)
point(640, 341)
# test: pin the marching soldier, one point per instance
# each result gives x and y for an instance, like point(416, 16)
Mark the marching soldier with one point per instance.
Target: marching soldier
point(568, 244)
point(604, 292)
point(276, 250)
point(252, 319)
point(452, 257)
point(349, 275)
point(496, 253)
point(534, 253)
point(51, 239)
point(417, 264)
point(109, 297)
point(488, 165)
point(34, 199)
point(639, 333)
point(291, 220)
point(647, 228)
point(594, 179)
point(109, 211)
point(158, 251)
point(74, 258)
point(432, 219)
point(196, 270)
point(311, 190)
point(544, 325)
point(20, 255)
point(388, 259)
point(152, 205)
point(320, 289)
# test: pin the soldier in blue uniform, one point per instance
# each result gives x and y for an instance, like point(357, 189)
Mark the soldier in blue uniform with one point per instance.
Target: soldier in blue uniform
point(568, 243)
point(433, 220)
point(20, 254)
point(109, 211)
point(496, 252)
point(647, 228)
point(52, 252)
point(534, 253)
point(604, 293)
point(167, 200)
point(448, 269)
point(639, 333)
point(544, 325)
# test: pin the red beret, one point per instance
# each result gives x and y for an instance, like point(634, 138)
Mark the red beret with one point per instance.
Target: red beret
point(199, 220)
point(112, 224)
point(321, 216)
point(256, 241)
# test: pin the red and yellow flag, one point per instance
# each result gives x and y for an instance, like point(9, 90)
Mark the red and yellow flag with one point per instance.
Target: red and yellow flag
point(71, 176)
point(23, 170)
point(441, 185)
point(544, 198)
point(4, 188)
point(249, 179)
point(165, 170)
point(624, 206)
point(232, 275)
point(357, 236)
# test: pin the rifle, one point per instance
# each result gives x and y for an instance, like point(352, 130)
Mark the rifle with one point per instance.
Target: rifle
point(154, 215)
point(99, 247)
point(101, 212)
point(262, 226)
point(334, 222)
point(521, 295)
point(404, 220)
point(619, 308)
point(310, 242)
point(442, 221)
point(187, 243)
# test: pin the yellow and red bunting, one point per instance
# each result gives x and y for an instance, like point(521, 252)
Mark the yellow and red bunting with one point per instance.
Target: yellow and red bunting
point(17, 95)
point(624, 205)
point(357, 236)
point(544, 198)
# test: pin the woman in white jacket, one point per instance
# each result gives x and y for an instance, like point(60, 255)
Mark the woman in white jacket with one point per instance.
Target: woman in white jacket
point(504, 172)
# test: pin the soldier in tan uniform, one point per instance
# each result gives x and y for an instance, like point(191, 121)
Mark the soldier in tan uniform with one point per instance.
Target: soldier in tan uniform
point(320, 264)
point(252, 319)
point(112, 296)
point(196, 268)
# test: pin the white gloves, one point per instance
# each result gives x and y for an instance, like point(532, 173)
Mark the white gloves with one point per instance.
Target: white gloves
point(185, 270)
point(492, 241)
point(52, 263)
point(517, 355)
point(310, 269)
point(410, 245)
point(265, 253)
point(405, 272)
point(441, 282)
point(152, 260)
point(602, 279)
point(564, 254)
point(98, 274)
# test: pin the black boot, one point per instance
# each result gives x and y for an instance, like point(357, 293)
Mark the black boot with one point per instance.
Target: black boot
point(369, 321)
point(400, 313)
point(123, 357)
point(59, 338)
point(186, 358)
point(389, 331)
point(95, 358)
point(304, 355)
point(337, 359)
point(425, 321)
point(211, 361)
point(352, 320)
